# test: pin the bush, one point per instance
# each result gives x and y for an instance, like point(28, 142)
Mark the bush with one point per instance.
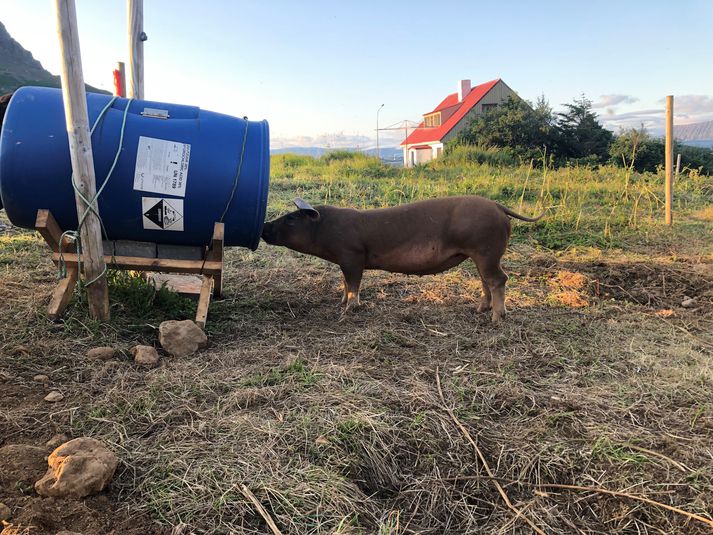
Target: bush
point(469, 154)
point(341, 155)
point(637, 149)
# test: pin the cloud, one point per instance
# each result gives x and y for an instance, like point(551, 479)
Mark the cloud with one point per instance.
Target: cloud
point(606, 101)
point(691, 105)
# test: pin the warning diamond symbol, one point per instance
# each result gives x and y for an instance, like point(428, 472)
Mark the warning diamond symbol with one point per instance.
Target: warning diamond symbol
point(163, 214)
point(155, 214)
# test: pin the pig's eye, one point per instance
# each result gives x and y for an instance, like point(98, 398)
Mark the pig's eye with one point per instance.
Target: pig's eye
point(290, 219)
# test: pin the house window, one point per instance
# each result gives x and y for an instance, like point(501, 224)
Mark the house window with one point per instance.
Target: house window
point(432, 121)
point(488, 107)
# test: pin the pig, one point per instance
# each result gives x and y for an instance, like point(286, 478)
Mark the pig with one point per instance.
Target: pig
point(421, 238)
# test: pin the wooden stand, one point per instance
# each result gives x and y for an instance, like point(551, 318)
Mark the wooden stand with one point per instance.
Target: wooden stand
point(211, 269)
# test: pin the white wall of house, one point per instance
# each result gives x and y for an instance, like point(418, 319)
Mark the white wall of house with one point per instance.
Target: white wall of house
point(414, 156)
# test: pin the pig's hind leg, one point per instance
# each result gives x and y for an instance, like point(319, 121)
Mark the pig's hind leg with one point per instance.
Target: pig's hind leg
point(352, 282)
point(494, 279)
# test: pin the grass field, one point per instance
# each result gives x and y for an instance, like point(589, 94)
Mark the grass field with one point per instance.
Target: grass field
point(375, 423)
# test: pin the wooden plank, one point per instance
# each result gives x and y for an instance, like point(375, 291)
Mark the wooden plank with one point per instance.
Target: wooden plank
point(136, 263)
point(669, 160)
point(47, 226)
point(216, 253)
point(204, 301)
point(184, 284)
point(62, 295)
point(80, 148)
point(136, 36)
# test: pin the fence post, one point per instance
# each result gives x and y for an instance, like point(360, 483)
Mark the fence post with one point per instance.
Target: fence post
point(669, 159)
point(80, 148)
point(137, 37)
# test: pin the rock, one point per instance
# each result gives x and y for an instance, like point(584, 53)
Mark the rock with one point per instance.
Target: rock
point(101, 353)
point(41, 378)
point(181, 338)
point(145, 355)
point(688, 302)
point(77, 468)
point(5, 512)
point(54, 396)
point(56, 440)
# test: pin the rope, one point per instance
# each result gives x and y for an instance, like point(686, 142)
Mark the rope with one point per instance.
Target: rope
point(92, 205)
point(236, 182)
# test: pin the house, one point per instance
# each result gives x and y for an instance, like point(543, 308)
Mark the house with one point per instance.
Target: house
point(448, 118)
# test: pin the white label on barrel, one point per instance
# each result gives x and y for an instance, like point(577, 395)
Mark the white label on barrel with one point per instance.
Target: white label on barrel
point(162, 214)
point(162, 166)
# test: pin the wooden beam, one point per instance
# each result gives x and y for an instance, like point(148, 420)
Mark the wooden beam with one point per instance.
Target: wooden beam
point(135, 9)
point(62, 294)
point(669, 160)
point(216, 254)
point(47, 226)
point(167, 265)
point(80, 148)
point(204, 301)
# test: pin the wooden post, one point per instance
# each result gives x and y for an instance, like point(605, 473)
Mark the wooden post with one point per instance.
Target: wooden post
point(80, 148)
point(120, 79)
point(137, 37)
point(669, 159)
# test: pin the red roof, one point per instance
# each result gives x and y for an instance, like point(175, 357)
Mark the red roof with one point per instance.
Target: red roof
point(430, 135)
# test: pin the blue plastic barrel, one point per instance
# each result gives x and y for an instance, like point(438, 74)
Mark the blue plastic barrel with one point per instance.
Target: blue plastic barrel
point(173, 180)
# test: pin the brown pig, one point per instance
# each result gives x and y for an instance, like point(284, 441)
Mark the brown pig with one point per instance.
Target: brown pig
point(422, 238)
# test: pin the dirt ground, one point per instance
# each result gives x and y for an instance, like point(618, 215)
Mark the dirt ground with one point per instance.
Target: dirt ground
point(598, 378)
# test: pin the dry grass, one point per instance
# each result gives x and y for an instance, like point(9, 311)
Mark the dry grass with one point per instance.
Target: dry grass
point(598, 378)
point(337, 427)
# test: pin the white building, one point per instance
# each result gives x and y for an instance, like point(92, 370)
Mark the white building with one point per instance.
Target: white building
point(452, 115)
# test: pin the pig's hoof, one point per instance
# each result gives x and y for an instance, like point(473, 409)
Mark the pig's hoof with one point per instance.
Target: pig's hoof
point(498, 317)
point(483, 307)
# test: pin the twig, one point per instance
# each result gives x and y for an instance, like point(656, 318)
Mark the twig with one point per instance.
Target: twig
point(466, 434)
point(692, 516)
point(682, 467)
point(260, 509)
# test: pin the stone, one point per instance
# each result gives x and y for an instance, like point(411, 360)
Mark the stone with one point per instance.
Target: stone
point(77, 468)
point(5, 512)
point(101, 353)
point(145, 355)
point(181, 338)
point(40, 378)
point(688, 302)
point(54, 396)
point(56, 440)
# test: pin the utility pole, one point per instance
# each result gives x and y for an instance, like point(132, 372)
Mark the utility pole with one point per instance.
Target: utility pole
point(135, 9)
point(378, 154)
point(80, 148)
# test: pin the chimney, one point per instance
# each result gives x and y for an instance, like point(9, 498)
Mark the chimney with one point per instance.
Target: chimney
point(463, 89)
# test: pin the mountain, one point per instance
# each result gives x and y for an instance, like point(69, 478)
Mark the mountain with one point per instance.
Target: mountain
point(18, 67)
point(386, 153)
point(694, 132)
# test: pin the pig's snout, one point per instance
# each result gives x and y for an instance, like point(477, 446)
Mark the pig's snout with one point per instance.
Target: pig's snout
point(268, 233)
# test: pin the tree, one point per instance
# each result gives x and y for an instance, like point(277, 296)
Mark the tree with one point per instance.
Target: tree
point(515, 125)
point(581, 133)
point(636, 149)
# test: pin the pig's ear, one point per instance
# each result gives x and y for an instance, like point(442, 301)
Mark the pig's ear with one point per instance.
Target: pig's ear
point(304, 206)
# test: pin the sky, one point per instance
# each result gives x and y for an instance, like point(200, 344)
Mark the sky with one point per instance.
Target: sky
point(319, 70)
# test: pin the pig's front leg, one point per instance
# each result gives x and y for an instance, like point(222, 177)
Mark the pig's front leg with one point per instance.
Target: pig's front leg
point(352, 280)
